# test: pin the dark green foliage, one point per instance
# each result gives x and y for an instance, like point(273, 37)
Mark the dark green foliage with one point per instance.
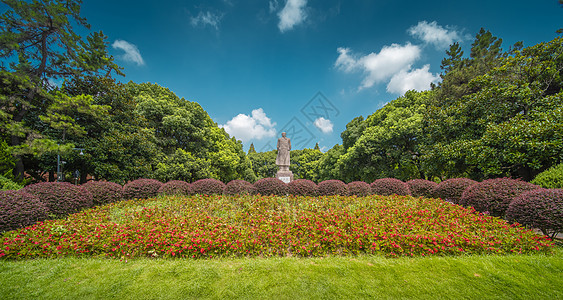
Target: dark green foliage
point(494, 195)
point(7, 161)
point(208, 186)
point(175, 187)
point(359, 188)
point(354, 130)
point(141, 189)
point(389, 186)
point(332, 187)
point(264, 163)
point(452, 189)
point(304, 163)
point(20, 209)
point(551, 178)
point(421, 187)
point(238, 187)
point(302, 187)
point(6, 184)
point(104, 192)
point(61, 198)
point(270, 186)
point(539, 208)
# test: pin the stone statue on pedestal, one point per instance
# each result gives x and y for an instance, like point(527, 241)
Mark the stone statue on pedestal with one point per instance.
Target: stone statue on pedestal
point(283, 159)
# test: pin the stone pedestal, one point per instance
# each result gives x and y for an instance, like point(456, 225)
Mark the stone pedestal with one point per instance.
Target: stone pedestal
point(284, 174)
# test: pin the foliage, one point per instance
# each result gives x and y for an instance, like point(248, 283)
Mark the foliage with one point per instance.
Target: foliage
point(270, 186)
point(141, 188)
point(539, 208)
point(551, 178)
point(104, 192)
point(359, 188)
point(252, 226)
point(264, 163)
point(61, 198)
point(421, 187)
point(332, 187)
point(452, 189)
point(302, 187)
point(7, 184)
point(175, 187)
point(304, 163)
point(327, 168)
point(238, 187)
point(389, 186)
point(494, 195)
point(20, 209)
point(184, 165)
point(7, 162)
point(208, 186)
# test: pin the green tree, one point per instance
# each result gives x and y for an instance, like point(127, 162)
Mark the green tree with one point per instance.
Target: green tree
point(354, 129)
point(251, 149)
point(264, 163)
point(304, 163)
point(327, 168)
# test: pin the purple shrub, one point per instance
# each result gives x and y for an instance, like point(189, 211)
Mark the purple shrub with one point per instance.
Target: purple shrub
point(270, 186)
point(104, 192)
point(19, 209)
point(359, 188)
point(539, 208)
point(238, 187)
point(208, 186)
point(452, 189)
point(302, 187)
point(494, 195)
point(389, 186)
point(175, 187)
point(61, 198)
point(141, 188)
point(421, 187)
point(332, 187)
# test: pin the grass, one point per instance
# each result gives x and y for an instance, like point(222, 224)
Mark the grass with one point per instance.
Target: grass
point(535, 276)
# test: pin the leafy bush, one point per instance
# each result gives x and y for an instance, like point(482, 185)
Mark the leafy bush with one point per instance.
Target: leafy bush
point(389, 186)
point(238, 187)
point(421, 187)
point(359, 188)
point(270, 186)
point(332, 187)
point(302, 187)
point(540, 208)
point(61, 198)
point(208, 186)
point(8, 185)
point(104, 192)
point(141, 188)
point(19, 209)
point(176, 187)
point(452, 189)
point(494, 195)
point(551, 178)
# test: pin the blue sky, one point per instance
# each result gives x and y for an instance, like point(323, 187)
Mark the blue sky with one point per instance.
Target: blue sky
point(306, 67)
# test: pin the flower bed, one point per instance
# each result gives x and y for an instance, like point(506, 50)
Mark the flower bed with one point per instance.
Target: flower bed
point(225, 226)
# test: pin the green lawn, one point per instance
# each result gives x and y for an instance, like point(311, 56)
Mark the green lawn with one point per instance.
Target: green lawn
point(462, 277)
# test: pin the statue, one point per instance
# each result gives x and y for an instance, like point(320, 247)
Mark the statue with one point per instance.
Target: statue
point(282, 160)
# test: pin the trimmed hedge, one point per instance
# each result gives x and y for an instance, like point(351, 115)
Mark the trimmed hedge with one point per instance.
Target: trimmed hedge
point(390, 186)
point(141, 188)
point(332, 187)
point(359, 188)
point(19, 209)
point(176, 187)
point(208, 186)
point(422, 187)
point(238, 187)
point(270, 186)
point(551, 178)
point(104, 192)
point(452, 189)
point(302, 187)
point(494, 195)
point(540, 208)
point(61, 198)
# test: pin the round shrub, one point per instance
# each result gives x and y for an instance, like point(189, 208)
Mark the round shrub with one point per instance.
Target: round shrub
point(359, 188)
point(551, 178)
point(540, 208)
point(61, 198)
point(421, 187)
point(494, 195)
point(19, 209)
point(302, 187)
point(175, 187)
point(104, 192)
point(270, 186)
point(451, 189)
point(389, 186)
point(332, 187)
point(208, 186)
point(141, 188)
point(238, 187)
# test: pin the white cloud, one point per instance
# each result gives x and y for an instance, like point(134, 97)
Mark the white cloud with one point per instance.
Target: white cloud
point(418, 79)
point(207, 18)
point(292, 14)
point(432, 33)
point(246, 128)
point(324, 125)
point(379, 67)
point(274, 6)
point(132, 53)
